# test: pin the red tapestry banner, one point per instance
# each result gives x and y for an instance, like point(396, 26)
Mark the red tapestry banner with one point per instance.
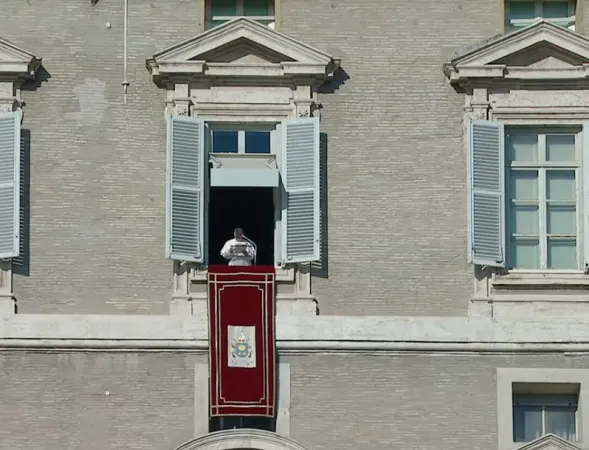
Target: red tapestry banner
point(242, 346)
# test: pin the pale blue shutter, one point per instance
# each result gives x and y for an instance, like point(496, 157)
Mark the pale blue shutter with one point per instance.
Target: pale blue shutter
point(9, 184)
point(486, 193)
point(185, 189)
point(299, 167)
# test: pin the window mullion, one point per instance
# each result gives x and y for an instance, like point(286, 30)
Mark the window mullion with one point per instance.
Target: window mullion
point(538, 9)
point(542, 204)
point(239, 7)
point(241, 141)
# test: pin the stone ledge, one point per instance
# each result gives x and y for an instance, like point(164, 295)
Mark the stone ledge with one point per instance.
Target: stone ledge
point(320, 332)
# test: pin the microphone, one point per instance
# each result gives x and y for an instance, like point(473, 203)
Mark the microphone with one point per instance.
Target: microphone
point(254, 246)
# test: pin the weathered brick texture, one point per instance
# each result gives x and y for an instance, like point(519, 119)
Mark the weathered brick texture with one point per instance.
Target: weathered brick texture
point(145, 401)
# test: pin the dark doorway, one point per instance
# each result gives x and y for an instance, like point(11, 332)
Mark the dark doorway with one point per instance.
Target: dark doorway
point(249, 208)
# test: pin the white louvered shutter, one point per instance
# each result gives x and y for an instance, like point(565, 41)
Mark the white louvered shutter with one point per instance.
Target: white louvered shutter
point(185, 189)
point(486, 193)
point(9, 184)
point(299, 167)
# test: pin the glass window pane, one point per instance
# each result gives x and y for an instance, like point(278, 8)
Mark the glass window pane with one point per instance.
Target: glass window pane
point(223, 7)
point(257, 142)
point(562, 219)
point(225, 142)
point(527, 423)
point(562, 253)
point(555, 10)
point(560, 185)
point(524, 219)
point(561, 422)
point(522, 10)
point(214, 23)
point(256, 8)
point(560, 147)
point(523, 184)
point(522, 147)
point(524, 253)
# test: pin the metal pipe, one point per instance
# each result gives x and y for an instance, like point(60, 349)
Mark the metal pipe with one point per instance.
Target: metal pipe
point(125, 82)
point(296, 346)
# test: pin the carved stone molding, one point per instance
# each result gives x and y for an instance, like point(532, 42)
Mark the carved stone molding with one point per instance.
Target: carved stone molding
point(242, 439)
point(16, 66)
point(242, 71)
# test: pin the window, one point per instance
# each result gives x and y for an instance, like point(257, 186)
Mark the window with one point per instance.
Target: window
point(262, 178)
point(220, 11)
point(543, 199)
point(521, 13)
point(242, 141)
point(526, 197)
point(536, 415)
point(533, 401)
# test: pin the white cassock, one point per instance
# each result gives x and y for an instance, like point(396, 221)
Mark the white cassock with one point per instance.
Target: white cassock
point(238, 260)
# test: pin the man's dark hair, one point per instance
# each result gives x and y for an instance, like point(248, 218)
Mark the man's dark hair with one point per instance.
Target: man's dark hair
point(238, 230)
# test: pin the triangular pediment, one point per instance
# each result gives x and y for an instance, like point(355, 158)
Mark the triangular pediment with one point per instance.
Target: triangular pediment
point(549, 442)
point(16, 61)
point(540, 51)
point(241, 46)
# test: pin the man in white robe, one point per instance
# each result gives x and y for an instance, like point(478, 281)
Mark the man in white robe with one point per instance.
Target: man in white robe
point(239, 251)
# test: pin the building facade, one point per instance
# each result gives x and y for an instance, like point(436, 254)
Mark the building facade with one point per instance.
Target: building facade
point(417, 174)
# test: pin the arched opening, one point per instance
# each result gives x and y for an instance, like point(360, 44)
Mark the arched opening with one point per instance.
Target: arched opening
point(242, 439)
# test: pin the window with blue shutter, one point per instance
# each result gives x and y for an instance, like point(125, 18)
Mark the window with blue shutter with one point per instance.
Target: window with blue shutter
point(9, 184)
point(185, 189)
point(300, 171)
point(486, 193)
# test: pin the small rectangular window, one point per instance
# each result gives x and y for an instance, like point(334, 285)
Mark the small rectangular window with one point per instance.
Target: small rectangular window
point(221, 11)
point(250, 141)
point(535, 415)
point(225, 142)
point(257, 142)
point(521, 13)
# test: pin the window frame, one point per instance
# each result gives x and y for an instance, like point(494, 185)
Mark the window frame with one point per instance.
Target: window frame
point(570, 20)
point(544, 378)
point(241, 129)
point(239, 7)
point(542, 131)
point(542, 402)
point(278, 192)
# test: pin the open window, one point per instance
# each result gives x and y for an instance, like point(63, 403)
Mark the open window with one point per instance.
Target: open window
point(263, 178)
point(221, 11)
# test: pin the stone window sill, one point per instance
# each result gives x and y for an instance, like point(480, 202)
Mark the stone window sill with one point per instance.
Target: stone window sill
point(541, 279)
point(282, 274)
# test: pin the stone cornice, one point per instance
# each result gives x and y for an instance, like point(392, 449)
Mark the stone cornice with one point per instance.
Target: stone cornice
point(194, 59)
point(242, 438)
point(484, 62)
point(15, 63)
point(298, 333)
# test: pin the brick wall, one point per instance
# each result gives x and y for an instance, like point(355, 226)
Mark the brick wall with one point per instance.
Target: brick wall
point(99, 401)
point(396, 174)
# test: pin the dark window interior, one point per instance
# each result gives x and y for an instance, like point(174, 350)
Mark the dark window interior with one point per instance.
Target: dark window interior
point(231, 422)
point(224, 142)
point(257, 142)
point(249, 208)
